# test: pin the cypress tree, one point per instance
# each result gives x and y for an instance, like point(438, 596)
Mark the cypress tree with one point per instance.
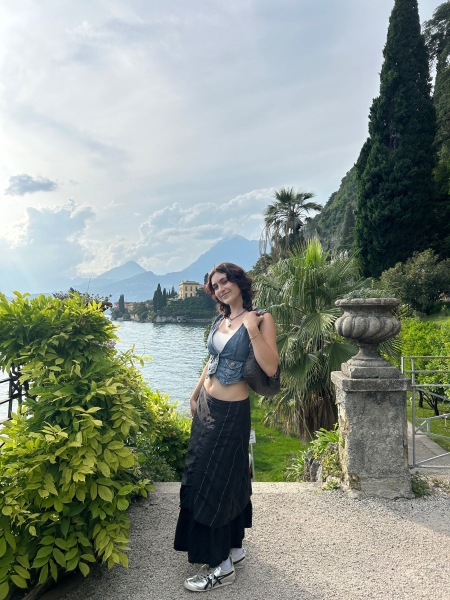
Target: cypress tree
point(437, 38)
point(164, 297)
point(158, 299)
point(394, 169)
point(121, 303)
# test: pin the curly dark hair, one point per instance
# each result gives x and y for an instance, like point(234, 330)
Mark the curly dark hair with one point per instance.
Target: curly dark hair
point(240, 278)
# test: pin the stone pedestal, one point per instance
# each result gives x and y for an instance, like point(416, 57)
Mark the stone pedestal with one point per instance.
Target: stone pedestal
point(371, 399)
point(372, 421)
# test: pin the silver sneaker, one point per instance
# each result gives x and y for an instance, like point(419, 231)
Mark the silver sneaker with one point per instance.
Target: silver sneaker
point(207, 579)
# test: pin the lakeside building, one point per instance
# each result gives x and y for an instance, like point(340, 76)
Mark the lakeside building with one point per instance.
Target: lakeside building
point(127, 305)
point(188, 289)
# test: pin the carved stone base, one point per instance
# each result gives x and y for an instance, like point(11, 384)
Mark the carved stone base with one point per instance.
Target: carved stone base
point(372, 420)
point(368, 364)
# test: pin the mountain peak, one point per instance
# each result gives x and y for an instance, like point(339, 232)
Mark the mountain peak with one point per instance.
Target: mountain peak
point(235, 237)
point(128, 269)
point(142, 285)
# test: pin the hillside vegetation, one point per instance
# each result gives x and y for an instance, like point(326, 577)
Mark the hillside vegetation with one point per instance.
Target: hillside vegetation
point(330, 222)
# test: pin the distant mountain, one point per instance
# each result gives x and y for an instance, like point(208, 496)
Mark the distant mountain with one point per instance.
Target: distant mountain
point(141, 287)
point(125, 271)
point(129, 269)
point(236, 249)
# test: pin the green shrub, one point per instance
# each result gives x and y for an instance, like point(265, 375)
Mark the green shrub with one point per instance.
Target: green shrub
point(295, 466)
point(324, 437)
point(419, 281)
point(67, 465)
point(420, 485)
point(165, 439)
point(333, 483)
point(425, 338)
point(151, 464)
point(323, 449)
point(440, 308)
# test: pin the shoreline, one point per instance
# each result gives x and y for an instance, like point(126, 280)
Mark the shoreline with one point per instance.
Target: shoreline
point(168, 320)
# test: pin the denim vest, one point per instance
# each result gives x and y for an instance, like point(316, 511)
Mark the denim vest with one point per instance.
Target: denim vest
point(228, 365)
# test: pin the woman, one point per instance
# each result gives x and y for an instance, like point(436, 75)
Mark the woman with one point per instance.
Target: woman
point(215, 504)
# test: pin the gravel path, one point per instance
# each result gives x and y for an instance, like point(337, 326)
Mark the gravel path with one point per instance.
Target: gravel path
point(305, 544)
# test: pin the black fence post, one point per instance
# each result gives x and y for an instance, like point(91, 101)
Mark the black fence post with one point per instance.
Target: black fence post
point(16, 391)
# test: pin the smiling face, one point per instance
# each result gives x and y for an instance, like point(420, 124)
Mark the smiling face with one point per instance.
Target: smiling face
point(226, 291)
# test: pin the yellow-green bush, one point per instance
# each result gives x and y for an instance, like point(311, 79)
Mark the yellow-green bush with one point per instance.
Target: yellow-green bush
point(425, 338)
point(67, 462)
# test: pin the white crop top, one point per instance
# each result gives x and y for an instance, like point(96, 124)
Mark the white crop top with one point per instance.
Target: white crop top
point(219, 340)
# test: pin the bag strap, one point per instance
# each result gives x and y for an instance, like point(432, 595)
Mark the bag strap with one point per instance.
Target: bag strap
point(261, 312)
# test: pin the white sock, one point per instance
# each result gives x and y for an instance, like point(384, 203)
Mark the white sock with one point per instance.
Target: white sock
point(226, 564)
point(237, 552)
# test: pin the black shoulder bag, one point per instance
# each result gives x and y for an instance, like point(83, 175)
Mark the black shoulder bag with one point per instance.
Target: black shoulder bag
point(257, 379)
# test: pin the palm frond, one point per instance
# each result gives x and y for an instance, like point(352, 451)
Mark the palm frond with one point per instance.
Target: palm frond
point(300, 291)
point(338, 352)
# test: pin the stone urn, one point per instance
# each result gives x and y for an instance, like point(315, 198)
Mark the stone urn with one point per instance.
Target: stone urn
point(368, 321)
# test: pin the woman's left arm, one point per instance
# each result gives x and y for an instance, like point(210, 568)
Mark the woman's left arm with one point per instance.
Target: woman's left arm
point(263, 335)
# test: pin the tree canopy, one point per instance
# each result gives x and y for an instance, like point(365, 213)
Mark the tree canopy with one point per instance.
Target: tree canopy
point(419, 281)
point(395, 167)
point(437, 37)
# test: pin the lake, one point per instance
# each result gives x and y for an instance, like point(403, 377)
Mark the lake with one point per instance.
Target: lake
point(177, 351)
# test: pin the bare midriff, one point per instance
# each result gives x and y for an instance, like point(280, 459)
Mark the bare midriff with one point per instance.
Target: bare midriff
point(235, 392)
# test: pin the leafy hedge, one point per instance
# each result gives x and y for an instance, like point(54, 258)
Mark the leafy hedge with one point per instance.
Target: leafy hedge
point(425, 338)
point(68, 465)
point(162, 446)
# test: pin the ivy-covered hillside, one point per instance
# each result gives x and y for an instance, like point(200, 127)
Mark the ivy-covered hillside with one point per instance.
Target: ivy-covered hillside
point(331, 221)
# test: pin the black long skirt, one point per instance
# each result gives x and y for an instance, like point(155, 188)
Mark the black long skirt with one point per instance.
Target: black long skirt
point(215, 506)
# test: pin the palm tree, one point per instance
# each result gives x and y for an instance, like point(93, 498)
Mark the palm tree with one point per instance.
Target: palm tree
point(300, 291)
point(285, 219)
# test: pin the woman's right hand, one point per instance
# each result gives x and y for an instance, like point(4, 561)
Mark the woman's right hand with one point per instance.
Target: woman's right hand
point(193, 404)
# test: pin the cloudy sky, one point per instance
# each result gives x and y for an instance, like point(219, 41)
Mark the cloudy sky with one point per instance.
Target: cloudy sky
point(147, 131)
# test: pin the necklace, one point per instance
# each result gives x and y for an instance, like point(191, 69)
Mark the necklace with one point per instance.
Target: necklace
point(230, 319)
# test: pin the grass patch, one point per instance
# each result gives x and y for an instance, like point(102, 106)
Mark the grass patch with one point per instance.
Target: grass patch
point(271, 447)
point(440, 427)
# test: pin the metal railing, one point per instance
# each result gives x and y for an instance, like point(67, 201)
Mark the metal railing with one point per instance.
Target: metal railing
point(16, 392)
point(421, 426)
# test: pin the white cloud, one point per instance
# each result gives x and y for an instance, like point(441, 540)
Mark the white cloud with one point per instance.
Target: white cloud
point(19, 185)
point(173, 237)
point(45, 247)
